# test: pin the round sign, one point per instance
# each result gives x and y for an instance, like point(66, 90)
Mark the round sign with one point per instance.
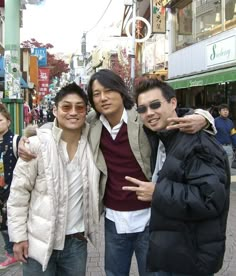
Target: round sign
point(144, 20)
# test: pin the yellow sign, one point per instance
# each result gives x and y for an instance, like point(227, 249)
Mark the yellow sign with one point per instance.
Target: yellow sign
point(165, 2)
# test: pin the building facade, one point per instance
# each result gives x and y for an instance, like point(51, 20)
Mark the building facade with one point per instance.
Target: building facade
point(202, 52)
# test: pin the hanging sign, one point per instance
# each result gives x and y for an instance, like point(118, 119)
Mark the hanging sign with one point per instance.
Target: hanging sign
point(158, 17)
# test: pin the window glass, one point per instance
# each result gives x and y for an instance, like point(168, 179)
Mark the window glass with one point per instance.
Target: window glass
point(230, 14)
point(184, 26)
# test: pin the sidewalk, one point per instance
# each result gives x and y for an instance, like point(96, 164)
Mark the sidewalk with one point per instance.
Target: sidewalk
point(96, 257)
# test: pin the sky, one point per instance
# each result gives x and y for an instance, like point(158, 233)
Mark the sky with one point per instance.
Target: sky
point(62, 22)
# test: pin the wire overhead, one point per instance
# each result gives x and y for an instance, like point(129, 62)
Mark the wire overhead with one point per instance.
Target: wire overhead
point(99, 18)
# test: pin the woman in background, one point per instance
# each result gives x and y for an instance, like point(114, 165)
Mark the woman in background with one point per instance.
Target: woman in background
point(8, 157)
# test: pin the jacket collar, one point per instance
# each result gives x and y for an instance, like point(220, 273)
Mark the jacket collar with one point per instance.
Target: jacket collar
point(57, 132)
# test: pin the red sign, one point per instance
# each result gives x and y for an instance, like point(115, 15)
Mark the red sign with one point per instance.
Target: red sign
point(43, 82)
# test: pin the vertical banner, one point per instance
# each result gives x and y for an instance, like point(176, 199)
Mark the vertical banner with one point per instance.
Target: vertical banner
point(43, 82)
point(41, 53)
point(158, 17)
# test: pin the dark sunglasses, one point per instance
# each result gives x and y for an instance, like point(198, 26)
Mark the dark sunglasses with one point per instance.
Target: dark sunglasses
point(68, 107)
point(153, 105)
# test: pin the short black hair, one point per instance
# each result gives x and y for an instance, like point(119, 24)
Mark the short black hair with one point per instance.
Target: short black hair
point(71, 88)
point(222, 106)
point(110, 80)
point(148, 84)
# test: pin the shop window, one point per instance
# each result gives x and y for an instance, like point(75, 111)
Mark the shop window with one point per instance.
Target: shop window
point(230, 14)
point(200, 19)
point(208, 19)
point(184, 26)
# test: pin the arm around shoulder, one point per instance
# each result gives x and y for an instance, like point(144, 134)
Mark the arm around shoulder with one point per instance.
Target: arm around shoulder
point(210, 122)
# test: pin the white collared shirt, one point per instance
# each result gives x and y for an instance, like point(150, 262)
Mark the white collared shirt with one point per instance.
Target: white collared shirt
point(75, 219)
point(125, 221)
point(161, 157)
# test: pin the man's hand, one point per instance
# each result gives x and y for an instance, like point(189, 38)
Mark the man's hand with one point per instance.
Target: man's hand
point(188, 124)
point(23, 152)
point(144, 190)
point(20, 250)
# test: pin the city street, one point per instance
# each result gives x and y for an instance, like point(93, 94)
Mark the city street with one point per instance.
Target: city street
point(95, 257)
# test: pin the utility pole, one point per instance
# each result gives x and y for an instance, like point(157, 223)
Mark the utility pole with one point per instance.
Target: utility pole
point(132, 65)
point(84, 52)
point(12, 97)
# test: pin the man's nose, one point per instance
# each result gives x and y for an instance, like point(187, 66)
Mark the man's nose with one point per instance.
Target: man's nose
point(149, 111)
point(73, 110)
point(103, 96)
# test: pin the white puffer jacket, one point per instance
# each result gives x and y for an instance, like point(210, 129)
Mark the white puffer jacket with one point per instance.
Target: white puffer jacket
point(37, 205)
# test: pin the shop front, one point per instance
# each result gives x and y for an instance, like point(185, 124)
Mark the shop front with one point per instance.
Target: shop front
point(208, 90)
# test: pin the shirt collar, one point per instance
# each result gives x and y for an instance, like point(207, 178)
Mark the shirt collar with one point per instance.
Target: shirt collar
point(124, 118)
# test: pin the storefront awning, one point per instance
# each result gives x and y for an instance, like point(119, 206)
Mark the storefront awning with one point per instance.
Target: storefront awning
point(219, 76)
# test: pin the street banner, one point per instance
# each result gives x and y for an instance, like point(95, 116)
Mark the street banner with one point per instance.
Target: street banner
point(43, 82)
point(41, 53)
point(158, 17)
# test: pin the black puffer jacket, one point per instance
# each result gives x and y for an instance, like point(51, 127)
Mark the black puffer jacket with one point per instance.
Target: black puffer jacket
point(190, 205)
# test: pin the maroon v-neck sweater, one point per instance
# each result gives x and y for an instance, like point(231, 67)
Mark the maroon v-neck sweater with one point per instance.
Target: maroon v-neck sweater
point(120, 162)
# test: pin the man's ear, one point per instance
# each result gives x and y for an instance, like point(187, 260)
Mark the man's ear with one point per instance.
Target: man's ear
point(173, 102)
point(54, 110)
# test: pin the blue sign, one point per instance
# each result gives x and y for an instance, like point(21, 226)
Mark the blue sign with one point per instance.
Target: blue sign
point(41, 53)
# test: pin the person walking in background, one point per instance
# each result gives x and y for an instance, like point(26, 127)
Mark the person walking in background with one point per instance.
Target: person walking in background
point(27, 114)
point(226, 132)
point(35, 115)
point(50, 116)
point(8, 157)
point(190, 202)
point(53, 203)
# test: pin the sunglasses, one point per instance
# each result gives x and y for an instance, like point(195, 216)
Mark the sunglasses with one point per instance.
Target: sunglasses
point(153, 105)
point(68, 107)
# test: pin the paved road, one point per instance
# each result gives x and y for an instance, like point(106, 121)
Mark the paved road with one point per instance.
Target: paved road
point(95, 257)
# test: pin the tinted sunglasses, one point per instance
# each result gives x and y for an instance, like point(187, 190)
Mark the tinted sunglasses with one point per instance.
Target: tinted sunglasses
point(68, 107)
point(153, 105)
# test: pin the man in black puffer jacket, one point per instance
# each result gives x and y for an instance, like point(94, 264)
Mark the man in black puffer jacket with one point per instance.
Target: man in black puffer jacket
point(190, 202)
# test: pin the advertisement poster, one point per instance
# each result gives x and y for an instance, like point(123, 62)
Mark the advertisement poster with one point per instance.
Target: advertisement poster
point(41, 53)
point(12, 77)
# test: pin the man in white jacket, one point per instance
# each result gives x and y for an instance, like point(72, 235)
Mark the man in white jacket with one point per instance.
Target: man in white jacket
point(53, 206)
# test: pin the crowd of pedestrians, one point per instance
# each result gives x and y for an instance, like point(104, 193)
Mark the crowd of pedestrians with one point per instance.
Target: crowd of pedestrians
point(37, 115)
point(156, 172)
